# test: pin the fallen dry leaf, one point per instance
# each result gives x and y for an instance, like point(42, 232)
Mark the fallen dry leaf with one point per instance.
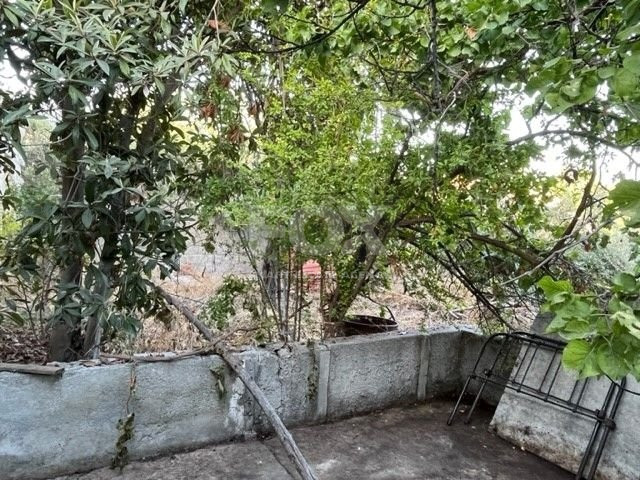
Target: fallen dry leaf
point(219, 26)
point(471, 32)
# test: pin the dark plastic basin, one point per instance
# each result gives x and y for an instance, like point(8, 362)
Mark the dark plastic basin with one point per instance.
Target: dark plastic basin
point(365, 324)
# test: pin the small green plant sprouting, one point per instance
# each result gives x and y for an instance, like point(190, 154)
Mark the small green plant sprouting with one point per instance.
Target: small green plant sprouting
point(125, 427)
point(221, 306)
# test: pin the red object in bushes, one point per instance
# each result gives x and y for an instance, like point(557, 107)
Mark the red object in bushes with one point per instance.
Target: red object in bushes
point(311, 271)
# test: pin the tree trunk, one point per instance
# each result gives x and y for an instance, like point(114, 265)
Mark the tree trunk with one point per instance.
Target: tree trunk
point(93, 330)
point(274, 286)
point(64, 339)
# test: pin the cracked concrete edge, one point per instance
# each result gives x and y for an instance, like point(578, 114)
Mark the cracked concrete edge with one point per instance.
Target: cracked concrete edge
point(423, 373)
point(322, 358)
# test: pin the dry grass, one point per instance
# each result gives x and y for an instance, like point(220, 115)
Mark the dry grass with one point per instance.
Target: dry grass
point(194, 289)
point(411, 313)
point(178, 334)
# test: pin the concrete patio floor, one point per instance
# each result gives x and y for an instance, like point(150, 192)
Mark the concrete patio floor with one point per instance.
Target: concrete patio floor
point(397, 444)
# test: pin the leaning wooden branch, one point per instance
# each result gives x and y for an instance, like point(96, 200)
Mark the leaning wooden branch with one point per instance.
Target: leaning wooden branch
point(156, 358)
point(32, 369)
point(188, 314)
point(283, 434)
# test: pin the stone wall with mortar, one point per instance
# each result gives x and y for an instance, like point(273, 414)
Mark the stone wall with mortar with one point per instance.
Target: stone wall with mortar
point(52, 426)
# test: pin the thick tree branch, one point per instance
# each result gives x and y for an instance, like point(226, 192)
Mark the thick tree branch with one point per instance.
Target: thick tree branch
point(582, 206)
point(529, 257)
point(188, 314)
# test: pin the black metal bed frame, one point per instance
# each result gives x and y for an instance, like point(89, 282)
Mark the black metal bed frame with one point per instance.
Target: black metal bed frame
point(505, 372)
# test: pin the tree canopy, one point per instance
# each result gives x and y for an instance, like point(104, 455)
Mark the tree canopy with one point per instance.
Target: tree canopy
point(362, 134)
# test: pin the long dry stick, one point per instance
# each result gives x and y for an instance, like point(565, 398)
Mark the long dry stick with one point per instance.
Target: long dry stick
point(283, 434)
point(304, 469)
point(188, 314)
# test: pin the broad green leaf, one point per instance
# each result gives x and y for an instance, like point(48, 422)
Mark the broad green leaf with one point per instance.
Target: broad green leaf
point(628, 32)
point(551, 287)
point(140, 216)
point(11, 16)
point(588, 88)
point(91, 138)
point(540, 5)
point(14, 115)
point(575, 357)
point(87, 218)
point(632, 63)
point(625, 282)
point(625, 198)
point(104, 66)
point(590, 368)
point(572, 89)
point(556, 324)
point(575, 353)
point(606, 72)
point(124, 68)
point(625, 195)
point(629, 320)
point(579, 328)
point(557, 103)
point(625, 82)
point(610, 363)
point(558, 299)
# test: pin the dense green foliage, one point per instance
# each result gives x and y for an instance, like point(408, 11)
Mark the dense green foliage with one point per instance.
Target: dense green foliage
point(110, 76)
point(221, 306)
point(603, 324)
point(364, 135)
point(428, 144)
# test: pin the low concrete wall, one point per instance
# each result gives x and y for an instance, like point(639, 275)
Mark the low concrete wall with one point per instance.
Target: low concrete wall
point(53, 426)
point(561, 436)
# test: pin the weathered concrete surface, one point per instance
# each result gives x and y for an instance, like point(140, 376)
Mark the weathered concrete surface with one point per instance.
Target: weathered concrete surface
point(49, 424)
point(288, 378)
point(192, 413)
point(56, 426)
point(561, 436)
point(365, 376)
point(246, 461)
point(445, 351)
point(42, 419)
point(399, 444)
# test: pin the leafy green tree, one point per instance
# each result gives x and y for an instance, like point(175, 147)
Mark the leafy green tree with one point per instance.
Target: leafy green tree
point(463, 198)
point(393, 108)
point(314, 178)
point(113, 77)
